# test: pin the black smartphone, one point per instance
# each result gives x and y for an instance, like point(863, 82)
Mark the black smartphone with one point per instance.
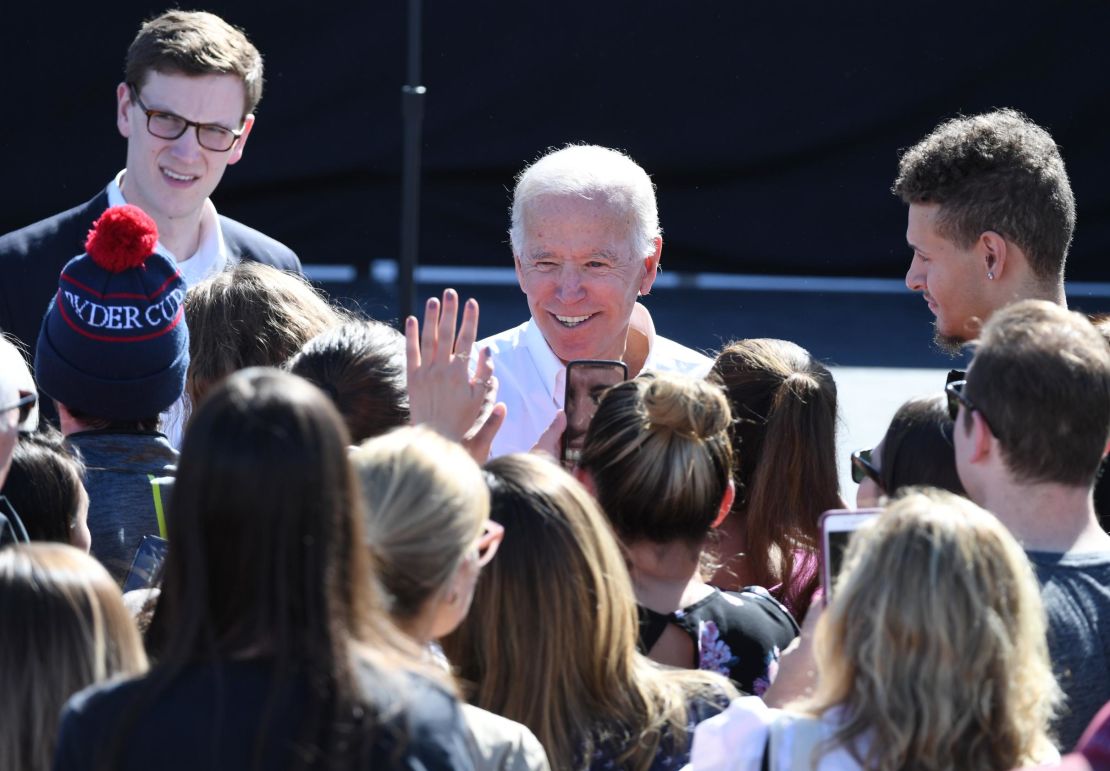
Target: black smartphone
point(837, 527)
point(147, 563)
point(587, 379)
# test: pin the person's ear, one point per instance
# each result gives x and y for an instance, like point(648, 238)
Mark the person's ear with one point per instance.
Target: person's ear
point(236, 151)
point(123, 110)
point(586, 478)
point(995, 254)
point(519, 272)
point(651, 267)
point(982, 440)
point(726, 503)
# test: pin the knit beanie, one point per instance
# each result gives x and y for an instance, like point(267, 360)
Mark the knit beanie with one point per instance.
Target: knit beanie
point(113, 343)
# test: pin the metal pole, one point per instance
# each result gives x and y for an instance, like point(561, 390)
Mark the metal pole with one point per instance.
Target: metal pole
point(412, 112)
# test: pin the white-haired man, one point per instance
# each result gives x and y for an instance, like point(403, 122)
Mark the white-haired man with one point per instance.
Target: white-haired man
point(586, 243)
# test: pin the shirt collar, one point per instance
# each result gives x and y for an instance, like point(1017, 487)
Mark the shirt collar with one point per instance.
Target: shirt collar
point(552, 371)
point(641, 332)
point(211, 255)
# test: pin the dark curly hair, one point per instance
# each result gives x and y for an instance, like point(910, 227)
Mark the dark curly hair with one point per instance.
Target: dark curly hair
point(996, 171)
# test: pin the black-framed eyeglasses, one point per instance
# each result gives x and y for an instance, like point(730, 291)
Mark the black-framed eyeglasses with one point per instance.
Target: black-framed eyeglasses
point(956, 396)
point(25, 404)
point(864, 468)
point(166, 125)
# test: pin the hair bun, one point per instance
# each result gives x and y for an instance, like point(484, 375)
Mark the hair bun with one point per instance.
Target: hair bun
point(686, 406)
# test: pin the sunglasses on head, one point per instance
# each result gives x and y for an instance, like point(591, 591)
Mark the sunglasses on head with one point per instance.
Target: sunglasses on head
point(492, 535)
point(863, 468)
point(25, 404)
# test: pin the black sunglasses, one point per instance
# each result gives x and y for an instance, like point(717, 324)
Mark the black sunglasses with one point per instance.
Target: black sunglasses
point(25, 404)
point(863, 468)
point(956, 396)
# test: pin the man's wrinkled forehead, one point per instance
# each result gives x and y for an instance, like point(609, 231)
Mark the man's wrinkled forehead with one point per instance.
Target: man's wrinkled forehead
point(593, 224)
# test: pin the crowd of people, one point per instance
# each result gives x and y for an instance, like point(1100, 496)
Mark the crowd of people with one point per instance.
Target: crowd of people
point(242, 527)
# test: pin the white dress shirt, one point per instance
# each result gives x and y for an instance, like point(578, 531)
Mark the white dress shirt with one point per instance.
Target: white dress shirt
point(210, 258)
point(532, 380)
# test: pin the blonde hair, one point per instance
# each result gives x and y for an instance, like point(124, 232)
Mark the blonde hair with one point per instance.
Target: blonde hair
point(426, 504)
point(551, 639)
point(659, 454)
point(934, 646)
point(67, 629)
point(251, 315)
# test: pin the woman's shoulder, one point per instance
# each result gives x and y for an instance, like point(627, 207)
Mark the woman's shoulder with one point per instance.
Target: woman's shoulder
point(738, 738)
point(733, 739)
point(427, 717)
point(499, 743)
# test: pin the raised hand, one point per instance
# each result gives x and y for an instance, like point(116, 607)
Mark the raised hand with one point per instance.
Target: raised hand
point(442, 392)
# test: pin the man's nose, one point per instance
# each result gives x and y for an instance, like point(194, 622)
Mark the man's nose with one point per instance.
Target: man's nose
point(186, 146)
point(570, 284)
point(915, 276)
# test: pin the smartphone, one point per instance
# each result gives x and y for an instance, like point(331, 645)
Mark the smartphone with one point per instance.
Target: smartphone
point(147, 563)
point(837, 526)
point(587, 379)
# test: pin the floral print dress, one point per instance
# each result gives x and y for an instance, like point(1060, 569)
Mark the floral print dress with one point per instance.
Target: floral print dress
point(737, 634)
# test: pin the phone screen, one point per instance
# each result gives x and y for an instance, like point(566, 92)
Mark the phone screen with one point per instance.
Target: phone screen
point(837, 527)
point(147, 562)
point(587, 380)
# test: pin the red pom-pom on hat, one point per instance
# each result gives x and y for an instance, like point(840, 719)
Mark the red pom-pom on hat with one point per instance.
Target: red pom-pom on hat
point(122, 238)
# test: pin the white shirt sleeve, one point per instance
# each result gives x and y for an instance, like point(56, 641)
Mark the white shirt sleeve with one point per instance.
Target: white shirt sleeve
point(733, 740)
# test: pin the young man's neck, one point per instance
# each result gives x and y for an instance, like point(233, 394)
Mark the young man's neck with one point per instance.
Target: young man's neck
point(1048, 517)
point(180, 235)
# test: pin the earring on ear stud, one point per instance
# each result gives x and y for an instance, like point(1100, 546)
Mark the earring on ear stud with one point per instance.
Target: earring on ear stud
point(990, 275)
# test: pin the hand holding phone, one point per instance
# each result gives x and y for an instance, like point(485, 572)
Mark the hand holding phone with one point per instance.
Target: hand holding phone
point(587, 380)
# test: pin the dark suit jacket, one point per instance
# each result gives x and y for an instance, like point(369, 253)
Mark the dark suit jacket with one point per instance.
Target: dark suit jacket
point(31, 259)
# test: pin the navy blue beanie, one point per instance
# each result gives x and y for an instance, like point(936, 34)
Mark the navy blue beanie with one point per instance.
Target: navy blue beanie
point(113, 343)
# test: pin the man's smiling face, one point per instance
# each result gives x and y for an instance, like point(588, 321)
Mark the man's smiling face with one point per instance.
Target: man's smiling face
point(171, 178)
point(581, 275)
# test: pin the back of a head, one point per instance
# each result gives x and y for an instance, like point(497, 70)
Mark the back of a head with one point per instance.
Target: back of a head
point(195, 43)
point(45, 487)
point(937, 591)
point(784, 440)
point(1041, 379)
point(252, 315)
point(995, 171)
point(659, 454)
point(361, 366)
point(918, 449)
point(426, 503)
point(267, 540)
point(594, 173)
point(66, 628)
point(553, 614)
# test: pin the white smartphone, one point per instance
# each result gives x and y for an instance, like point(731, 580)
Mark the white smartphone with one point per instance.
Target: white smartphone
point(837, 526)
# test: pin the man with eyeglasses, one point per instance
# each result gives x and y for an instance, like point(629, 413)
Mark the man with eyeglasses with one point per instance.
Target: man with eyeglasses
point(1032, 421)
point(186, 109)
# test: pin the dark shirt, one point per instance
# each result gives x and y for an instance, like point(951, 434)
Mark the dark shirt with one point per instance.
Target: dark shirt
point(737, 634)
point(1075, 589)
point(210, 717)
point(122, 507)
